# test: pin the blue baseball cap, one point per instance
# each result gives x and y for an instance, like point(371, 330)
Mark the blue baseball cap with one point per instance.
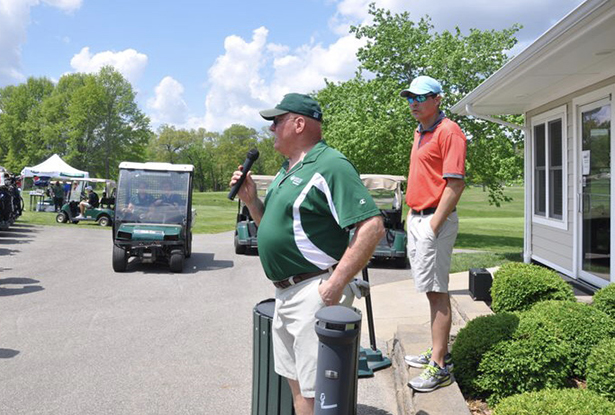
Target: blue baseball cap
point(422, 85)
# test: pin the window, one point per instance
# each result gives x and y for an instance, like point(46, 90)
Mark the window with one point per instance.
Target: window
point(549, 151)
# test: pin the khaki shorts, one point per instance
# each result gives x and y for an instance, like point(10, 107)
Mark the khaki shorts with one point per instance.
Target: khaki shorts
point(430, 255)
point(295, 343)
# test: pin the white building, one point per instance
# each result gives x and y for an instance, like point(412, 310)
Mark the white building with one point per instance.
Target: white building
point(564, 84)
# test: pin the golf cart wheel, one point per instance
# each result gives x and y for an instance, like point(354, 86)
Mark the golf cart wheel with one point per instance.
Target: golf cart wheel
point(240, 249)
point(402, 262)
point(62, 217)
point(176, 262)
point(120, 259)
point(104, 220)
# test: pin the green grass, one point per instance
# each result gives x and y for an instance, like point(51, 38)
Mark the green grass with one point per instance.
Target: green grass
point(498, 231)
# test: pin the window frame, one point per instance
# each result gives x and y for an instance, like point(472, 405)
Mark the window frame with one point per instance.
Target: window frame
point(544, 119)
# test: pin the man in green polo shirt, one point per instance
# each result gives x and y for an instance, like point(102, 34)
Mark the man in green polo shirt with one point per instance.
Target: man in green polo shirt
point(315, 199)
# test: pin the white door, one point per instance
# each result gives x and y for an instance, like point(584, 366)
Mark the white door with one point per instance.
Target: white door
point(596, 250)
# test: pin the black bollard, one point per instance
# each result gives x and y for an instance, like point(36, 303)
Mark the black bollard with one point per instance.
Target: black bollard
point(338, 330)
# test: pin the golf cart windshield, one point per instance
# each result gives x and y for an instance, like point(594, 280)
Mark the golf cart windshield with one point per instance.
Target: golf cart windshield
point(149, 196)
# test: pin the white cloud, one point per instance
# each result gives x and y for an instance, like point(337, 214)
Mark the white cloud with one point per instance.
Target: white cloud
point(168, 104)
point(129, 62)
point(14, 20)
point(254, 75)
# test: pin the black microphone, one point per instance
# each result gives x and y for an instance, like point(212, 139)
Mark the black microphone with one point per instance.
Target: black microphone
point(247, 165)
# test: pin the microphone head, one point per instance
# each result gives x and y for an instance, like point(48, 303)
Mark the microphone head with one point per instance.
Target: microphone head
point(253, 154)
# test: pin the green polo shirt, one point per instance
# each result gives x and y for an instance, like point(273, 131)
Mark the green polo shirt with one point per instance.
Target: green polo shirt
point(308, 212)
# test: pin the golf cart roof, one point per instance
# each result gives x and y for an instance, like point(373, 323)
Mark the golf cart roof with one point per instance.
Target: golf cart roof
point(155, 166)
point(262, 182)
point(84, 179)
point(382, 181)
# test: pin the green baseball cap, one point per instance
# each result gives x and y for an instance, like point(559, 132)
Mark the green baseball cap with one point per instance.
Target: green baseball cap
point(297, 103)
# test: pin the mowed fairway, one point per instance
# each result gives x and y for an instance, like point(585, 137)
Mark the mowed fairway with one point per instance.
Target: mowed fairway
point(496, 231)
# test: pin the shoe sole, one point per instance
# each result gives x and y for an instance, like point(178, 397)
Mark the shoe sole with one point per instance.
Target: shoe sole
point(416, 365)
point(423, 366)
point(447, 382)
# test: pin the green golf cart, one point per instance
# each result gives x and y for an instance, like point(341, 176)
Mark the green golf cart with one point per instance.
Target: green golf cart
point(387, 191)
point(153, 214)
point(246, 230)
point(102, 213)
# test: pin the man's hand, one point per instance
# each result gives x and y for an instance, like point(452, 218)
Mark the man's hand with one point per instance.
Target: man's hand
point(248, 195)
point(366, 236)
point(247, 191)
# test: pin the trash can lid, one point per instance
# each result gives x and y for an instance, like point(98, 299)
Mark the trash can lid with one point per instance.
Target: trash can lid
point(265, 308)
point(338, 314)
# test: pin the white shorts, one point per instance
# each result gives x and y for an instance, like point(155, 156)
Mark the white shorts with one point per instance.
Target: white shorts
point(430, 255)
point(295, 343)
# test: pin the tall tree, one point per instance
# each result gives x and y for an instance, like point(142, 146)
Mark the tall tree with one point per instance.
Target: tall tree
point(20, 126)
point(366, 118)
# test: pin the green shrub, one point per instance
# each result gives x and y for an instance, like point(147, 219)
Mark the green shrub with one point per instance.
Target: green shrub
point(474, 340)
point(601, 369)
point(604, 299)
point(556, 402)
point(530, 363)
point(578, 324)
point(517, 286)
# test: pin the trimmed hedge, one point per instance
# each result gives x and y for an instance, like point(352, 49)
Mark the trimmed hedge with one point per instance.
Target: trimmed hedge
point(604, 299)
point(556, 402)
point(601, 369)
point(474, 340)
point(578, 324)
point(533, 362)
point(517, 286)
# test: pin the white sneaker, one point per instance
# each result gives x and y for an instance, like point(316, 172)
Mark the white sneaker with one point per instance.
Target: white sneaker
point(79, 217)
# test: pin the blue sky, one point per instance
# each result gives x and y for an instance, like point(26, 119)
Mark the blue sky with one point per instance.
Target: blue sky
point(200, 63)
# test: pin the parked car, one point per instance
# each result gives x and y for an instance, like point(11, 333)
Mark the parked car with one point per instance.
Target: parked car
point(245, 238)
point(153, 214)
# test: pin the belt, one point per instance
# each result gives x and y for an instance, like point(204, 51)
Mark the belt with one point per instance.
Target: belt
point(296, 279)
point(428, 211)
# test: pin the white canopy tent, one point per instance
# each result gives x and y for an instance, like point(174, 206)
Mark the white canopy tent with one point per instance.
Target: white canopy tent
point(54, 167)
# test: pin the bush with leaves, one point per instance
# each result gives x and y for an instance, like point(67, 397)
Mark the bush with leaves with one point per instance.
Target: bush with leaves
point(556, 402)
point(517, 286)
point(474, 340)
point(578, 324)
point(601, 369)
point(532, 362)
point(604, 299)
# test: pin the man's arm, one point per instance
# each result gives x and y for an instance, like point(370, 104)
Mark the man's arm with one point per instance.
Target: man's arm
point(366, 236)
point(448, 202)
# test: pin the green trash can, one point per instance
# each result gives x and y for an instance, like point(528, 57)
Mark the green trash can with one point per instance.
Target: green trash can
point(271, 394)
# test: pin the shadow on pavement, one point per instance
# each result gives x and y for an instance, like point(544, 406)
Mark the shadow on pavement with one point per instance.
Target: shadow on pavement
point(8, 353)
point(197, 262)
point(25, 289)
point(370, 410)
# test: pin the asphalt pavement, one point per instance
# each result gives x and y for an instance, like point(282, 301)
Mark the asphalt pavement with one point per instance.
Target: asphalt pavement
point(78, 338)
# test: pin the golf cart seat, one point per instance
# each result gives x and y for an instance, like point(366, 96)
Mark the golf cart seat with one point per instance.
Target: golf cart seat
point(107, 201)
point(392, 218)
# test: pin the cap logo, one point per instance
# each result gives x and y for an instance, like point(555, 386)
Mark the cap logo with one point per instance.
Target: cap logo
point(316, 115)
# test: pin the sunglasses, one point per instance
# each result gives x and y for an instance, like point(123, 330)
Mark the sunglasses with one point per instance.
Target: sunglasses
point(419, 98)
point(278, 120)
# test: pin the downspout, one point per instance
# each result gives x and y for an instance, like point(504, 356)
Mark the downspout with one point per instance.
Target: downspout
point(527, 229)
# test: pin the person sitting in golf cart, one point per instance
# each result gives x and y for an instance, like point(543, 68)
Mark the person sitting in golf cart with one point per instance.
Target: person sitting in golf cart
point(142, 199)
point(90, 202)
point(167, 197)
